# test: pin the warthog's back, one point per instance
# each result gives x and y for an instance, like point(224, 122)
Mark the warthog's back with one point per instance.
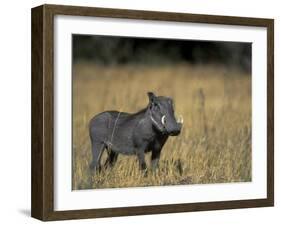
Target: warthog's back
point(115, 130)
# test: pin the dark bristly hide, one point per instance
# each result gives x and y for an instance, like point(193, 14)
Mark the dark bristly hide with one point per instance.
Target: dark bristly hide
point(134, 134)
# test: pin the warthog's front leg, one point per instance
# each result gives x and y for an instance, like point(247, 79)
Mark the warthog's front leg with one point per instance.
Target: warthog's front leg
point(141, 158)
point(155, 159)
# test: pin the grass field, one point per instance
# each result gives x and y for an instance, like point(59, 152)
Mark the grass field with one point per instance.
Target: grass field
point(214, 145)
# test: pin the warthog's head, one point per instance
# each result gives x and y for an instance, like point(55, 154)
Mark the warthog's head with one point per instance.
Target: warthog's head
point(162, 115)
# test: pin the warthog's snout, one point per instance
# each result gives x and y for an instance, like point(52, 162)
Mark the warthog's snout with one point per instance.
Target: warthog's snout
point(177, 128)
point(176, 131)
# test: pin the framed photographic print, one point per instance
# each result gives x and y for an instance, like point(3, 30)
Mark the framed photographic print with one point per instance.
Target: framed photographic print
point(141, 112)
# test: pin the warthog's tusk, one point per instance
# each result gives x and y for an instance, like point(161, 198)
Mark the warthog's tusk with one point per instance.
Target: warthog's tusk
point(180, 119)
point(163, 119)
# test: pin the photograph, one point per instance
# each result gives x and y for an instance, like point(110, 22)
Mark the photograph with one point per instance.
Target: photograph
point(159, 112)
point(139, 112)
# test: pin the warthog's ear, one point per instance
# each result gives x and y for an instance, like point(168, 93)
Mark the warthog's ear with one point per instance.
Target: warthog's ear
point(151, 97)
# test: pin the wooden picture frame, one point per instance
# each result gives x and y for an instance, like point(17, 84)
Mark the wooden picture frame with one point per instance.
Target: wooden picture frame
point(42, 203)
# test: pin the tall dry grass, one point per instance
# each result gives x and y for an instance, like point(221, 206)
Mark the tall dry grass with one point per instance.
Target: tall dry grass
point(214, 145)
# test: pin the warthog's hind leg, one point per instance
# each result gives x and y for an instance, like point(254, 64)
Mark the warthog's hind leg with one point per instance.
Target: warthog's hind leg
point(97, 150)
point(111, 159)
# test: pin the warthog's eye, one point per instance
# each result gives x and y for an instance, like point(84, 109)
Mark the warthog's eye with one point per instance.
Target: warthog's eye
point(157, 107)
point(163, 119)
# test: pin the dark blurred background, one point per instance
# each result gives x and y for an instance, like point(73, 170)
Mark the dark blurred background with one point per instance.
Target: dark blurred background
point(111, 50)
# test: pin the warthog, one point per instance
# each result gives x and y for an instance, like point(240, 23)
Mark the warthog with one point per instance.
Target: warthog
point(134, 134)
